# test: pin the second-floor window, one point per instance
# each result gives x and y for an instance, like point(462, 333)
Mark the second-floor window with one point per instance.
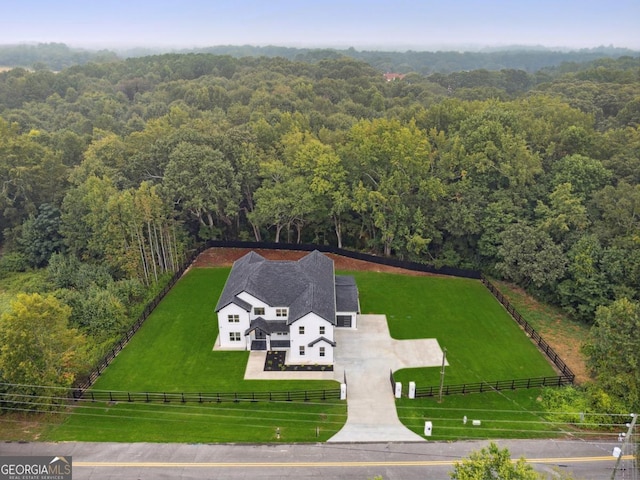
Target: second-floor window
point(322, 330)
point(281, 312)
point(258, 311)
point(301, 330)
point(234, 318)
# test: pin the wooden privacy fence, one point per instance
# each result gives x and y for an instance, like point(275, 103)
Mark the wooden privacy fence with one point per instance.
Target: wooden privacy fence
point(481, 387)
point(184, 397)
point(535, 336)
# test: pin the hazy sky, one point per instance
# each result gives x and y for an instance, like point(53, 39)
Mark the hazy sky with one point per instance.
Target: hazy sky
point(399, 24)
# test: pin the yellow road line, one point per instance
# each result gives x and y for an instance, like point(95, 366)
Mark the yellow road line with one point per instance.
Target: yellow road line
point(420, 463)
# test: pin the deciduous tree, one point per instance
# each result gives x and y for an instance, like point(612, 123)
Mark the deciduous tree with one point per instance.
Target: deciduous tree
point(614, 350)
point(40, 355)
point(493, 463)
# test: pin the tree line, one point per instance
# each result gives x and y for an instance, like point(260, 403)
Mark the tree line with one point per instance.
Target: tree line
point(57, 56)
point(121, 167)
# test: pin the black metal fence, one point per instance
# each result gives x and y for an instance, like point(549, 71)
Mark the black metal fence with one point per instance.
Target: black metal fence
point(393, 382)
point(185, 397)
point(481, 387)
point(535, 336)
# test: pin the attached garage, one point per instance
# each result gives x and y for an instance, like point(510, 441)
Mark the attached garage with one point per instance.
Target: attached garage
point(347, 302)
point(344, 321)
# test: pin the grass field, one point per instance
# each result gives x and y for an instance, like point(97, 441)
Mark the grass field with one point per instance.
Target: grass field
point(507, 414)
point(173, 352)
point(482, 341)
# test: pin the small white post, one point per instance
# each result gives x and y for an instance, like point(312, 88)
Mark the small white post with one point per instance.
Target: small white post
point(412, 389)
point(398, 389)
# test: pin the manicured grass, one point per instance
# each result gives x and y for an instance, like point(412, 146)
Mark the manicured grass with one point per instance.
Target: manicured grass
point(483, 343)
point(508, 414)
point(173, 352)
point(195, 423)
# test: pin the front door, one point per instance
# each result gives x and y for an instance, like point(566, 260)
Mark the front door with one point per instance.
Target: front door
point(260, 335)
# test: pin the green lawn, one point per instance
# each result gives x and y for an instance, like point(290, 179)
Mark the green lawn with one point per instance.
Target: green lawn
point(507, 414)
point(173, 352)
point(483, 343)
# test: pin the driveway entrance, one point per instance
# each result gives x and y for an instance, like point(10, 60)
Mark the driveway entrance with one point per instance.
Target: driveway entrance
point(366, 356)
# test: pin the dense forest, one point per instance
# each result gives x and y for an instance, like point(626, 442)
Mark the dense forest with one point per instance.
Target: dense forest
point(112, 171)
point(57, 56)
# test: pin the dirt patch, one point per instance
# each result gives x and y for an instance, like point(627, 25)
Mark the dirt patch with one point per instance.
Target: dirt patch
point(224, 257)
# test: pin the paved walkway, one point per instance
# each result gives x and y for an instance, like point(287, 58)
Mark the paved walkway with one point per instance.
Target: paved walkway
point(367, 355)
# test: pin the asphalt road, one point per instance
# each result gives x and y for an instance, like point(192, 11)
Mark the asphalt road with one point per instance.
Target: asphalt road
point(428, 460)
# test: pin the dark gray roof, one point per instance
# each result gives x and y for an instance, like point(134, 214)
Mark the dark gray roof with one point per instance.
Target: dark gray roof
point(303, 286)
point(346, 294)
point(322, 339)
point(268, 327)
point(238, 301)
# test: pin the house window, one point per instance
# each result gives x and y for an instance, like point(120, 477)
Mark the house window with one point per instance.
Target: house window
point(234, 318)
point(322, 351)
point(281, 312)
point(302, 350)
point(322, 330)
point(234, 336)
point(258, 311)
point(301, 330)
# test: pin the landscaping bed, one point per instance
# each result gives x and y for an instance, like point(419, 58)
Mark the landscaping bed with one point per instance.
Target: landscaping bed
point(275, 363)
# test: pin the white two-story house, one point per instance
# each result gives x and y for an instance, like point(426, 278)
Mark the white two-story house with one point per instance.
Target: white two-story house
point(286, 305)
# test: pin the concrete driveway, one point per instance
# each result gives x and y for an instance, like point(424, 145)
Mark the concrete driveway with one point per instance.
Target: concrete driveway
point(367, 356)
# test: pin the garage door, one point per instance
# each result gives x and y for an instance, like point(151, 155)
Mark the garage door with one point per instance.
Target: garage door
point(344, 321)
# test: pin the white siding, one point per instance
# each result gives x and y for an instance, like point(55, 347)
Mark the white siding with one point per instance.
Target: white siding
point(225, 327)
point(269, 310)
point(311, 323)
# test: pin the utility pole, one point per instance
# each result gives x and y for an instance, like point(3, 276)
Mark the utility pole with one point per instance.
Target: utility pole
point(624, 444)
point(444, 360)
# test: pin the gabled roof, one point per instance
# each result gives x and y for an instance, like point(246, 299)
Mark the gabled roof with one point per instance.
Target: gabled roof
point(322, 339)
point(238, 301)
point(303, 286)
point(268, 327)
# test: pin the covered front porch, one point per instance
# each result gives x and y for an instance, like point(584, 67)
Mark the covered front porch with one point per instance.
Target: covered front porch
point(261, 335)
